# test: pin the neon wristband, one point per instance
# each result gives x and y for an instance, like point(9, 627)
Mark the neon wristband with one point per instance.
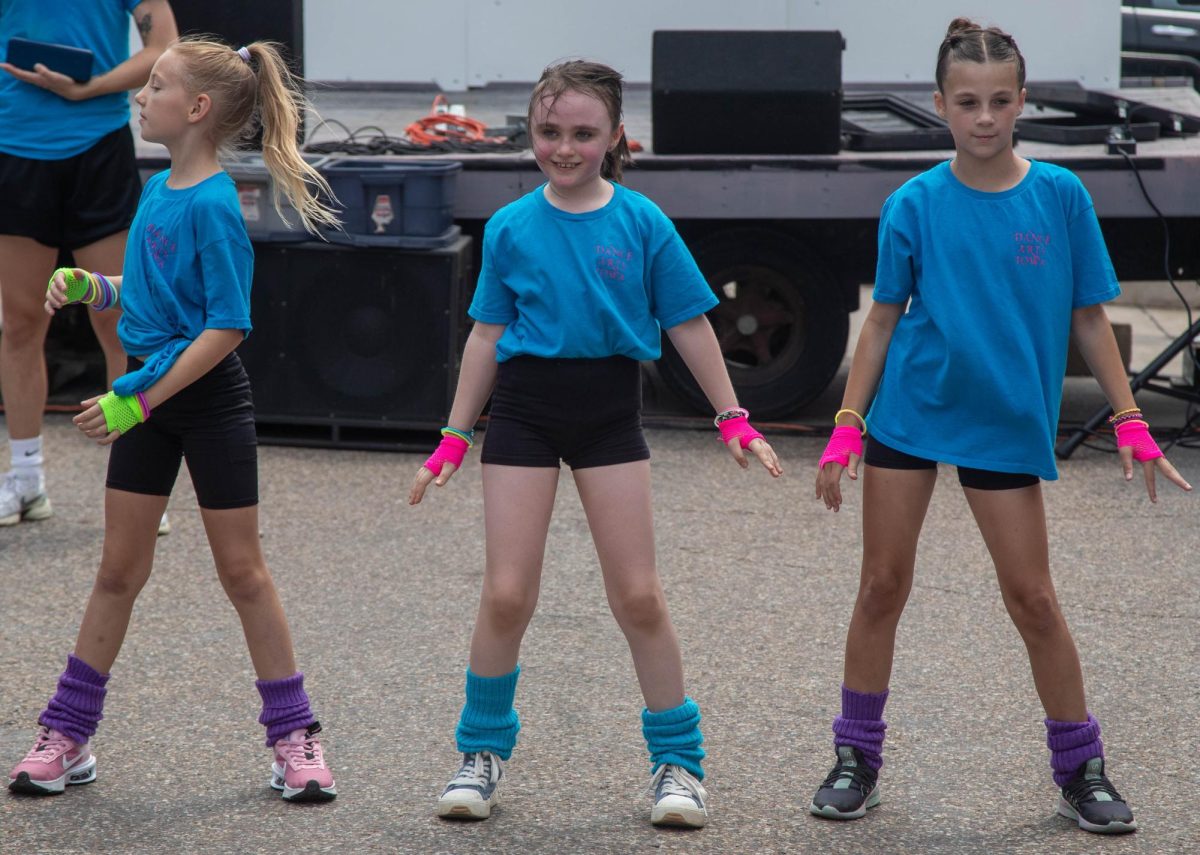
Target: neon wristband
point(739, 428)
point(452, 449)
point(856, 415)
point(121, 412)
point(467, 436)
point(844, 441)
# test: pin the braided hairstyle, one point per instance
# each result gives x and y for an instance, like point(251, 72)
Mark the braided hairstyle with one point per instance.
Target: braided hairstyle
point(966, 41)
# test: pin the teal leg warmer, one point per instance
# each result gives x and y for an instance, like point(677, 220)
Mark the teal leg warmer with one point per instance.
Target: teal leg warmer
point(488, 721)
point(673, 736)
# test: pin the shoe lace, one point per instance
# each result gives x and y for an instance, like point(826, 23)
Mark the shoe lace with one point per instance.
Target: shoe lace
point(478, 770)
point(860, 776)
point(674, 780)
point(48, 740)
point(1085, 787)
point(306, 753)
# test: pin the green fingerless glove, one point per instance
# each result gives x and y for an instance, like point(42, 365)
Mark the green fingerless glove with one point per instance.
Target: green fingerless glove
point(121, 412)
point(78, 290)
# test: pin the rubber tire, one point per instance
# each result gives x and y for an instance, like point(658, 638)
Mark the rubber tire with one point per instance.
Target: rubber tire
point(797, 358)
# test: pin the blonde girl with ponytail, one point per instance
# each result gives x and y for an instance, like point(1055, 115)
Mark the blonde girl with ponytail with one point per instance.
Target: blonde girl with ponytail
point(185, 295)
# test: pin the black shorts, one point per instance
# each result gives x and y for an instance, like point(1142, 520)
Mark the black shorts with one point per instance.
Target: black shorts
point(886, 457)
point(586, 412)
point(75, 201)
point(211, 425)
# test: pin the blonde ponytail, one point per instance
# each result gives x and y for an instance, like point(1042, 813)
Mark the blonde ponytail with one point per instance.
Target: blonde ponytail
point(262, 86)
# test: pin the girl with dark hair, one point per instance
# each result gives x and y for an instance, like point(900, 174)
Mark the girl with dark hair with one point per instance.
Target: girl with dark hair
point(578, 279)
point(185, 293)
point(998, 260)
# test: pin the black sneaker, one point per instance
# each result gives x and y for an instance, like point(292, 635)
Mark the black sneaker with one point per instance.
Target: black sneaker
point(851, 788)
point(1091, 799)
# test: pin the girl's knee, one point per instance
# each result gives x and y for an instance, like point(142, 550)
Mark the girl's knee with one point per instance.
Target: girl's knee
point(120, 582)
point(508, 608)
point(245, 581)
point(883, 592)
point(1034, 610)
point(640, 607)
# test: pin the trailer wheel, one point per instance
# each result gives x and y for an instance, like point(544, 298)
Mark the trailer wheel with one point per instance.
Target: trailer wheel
point(781, 322)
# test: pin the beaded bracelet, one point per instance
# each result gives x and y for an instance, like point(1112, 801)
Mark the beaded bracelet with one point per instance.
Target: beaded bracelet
point(1115, 416)
point(731, 413)
point(467, 436)
point(1116, 420)
point(856, 415)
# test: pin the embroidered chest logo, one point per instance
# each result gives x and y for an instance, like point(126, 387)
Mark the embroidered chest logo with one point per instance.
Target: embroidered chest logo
point(1032, 248)
point(159, 245)
point(612, 262)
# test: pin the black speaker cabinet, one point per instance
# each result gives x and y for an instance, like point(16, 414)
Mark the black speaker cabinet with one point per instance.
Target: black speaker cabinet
point(240, 22)
point(354, 343)
point(746, 92)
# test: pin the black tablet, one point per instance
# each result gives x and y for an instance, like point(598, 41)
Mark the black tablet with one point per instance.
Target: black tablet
point(74, 62)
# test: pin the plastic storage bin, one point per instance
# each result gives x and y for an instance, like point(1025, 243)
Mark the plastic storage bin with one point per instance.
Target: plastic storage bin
point(404, 204)
point(254, 189)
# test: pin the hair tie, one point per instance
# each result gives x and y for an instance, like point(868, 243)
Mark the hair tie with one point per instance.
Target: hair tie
point(244, 53)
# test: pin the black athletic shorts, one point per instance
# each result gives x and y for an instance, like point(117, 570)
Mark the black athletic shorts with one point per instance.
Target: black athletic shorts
point(886, 457)
point(75, 201)
point(211, 425)
point(586, 412)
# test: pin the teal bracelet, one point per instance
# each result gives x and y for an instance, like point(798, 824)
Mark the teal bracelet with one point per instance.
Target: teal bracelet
point(466, 436)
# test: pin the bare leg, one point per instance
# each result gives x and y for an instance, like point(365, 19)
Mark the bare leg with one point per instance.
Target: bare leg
point(517, 501)
point(130, 532)
point(106, 255)
point(242, 569)
point(617, 502)
point(25, 268)
point(894, 506)
point(1013, 524)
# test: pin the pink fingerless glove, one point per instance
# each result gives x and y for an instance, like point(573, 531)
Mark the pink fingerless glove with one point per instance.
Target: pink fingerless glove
point(451, 449)
point(1136, 435)
point(738, 428)
point(846, 440)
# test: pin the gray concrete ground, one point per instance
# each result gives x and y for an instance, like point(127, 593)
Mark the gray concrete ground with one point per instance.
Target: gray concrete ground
point(761, 580)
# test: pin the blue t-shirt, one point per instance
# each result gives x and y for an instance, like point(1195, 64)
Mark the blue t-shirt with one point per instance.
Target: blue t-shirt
point(604, 283)
point(38, 124)
point(188, 268)
point(975, 369)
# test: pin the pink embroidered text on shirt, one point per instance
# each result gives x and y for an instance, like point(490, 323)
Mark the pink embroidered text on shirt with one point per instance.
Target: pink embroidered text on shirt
point(611, 261)
point(159, 244)
point(1031, 248)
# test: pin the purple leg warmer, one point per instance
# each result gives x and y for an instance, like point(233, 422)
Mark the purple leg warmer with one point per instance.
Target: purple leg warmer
point(861, 724)
point(285, 706)
point(78, 703)
point(1071, 744)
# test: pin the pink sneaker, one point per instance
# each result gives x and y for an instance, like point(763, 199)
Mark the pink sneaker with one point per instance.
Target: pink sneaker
point(54, 761)
point(299, 768)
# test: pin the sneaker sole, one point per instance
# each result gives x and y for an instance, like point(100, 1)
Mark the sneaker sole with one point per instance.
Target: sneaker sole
point(466, 809)
point(310, 792)
point(677, 817)
point(39, 510)
point(830, 812)
point(27, 786)
point(1065, 809)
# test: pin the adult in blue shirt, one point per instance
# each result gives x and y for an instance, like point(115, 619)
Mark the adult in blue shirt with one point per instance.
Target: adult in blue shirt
point(68, 181)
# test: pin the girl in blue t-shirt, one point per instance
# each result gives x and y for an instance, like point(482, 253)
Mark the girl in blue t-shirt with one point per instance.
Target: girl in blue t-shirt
point(185, 293)
point(578, 279)
point(998, 259)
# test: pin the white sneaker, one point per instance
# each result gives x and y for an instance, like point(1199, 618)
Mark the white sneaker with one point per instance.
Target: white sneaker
point(678, 798)
point(23, 497)
point(472, 793)
point(164, 525)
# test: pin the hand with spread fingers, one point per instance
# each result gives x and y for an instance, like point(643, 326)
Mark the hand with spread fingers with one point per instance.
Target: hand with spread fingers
point(1134, 443)
point(52, 81)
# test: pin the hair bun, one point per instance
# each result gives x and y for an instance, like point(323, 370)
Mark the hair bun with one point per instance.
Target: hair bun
point(961, 25)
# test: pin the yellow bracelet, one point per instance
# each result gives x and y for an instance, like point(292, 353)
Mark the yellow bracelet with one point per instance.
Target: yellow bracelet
point(1123, 412)
point(856, 415)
